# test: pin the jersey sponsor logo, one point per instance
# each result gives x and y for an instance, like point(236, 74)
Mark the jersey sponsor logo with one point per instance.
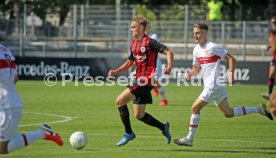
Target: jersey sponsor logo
point(140, 58)
point(207, 60)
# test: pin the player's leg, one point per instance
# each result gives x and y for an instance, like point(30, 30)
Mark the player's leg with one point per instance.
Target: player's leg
point(198, 104)
point(157, 75)
point(159, 88)
point(144, 97)
point(271, 80)
point(155, 91)
point(23, 140)
point(242, 110)
point(272, 105)
point(229, 111)
point(125, 97)
point(3, 147)
point(140, 114)
point(13, 141)
point(121, 101)
point(271, 75)
point(10, 140)
point(163, 95)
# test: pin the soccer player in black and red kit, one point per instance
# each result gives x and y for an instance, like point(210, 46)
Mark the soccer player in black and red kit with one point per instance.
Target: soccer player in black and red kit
point(272, 68)
point(143, 52)
point(272, 42)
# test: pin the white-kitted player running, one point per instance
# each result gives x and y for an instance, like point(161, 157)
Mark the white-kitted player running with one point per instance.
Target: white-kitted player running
point(11, 110)
point(158, 71)
point(206, 58)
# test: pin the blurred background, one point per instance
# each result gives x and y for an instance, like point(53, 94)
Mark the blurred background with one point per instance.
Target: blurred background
point(89, 37)
point(100, 28)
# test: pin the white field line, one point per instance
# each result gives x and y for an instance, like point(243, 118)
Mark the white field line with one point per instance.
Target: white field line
point(69, 118)
point(64, 119)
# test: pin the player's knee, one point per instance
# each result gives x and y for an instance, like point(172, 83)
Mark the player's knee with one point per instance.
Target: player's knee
point(118, 101)
point(138, 116)
point(195, 110)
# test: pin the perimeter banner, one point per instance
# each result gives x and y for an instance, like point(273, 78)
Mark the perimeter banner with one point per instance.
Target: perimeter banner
point(35, 68)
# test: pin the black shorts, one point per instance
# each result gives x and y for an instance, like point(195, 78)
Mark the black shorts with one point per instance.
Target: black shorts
point(273, 63)
point(142, 94)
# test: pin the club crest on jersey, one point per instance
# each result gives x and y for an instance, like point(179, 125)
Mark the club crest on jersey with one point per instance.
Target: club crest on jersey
point(142, 49)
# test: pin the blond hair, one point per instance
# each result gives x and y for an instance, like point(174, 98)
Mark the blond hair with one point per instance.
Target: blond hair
point(141, 20)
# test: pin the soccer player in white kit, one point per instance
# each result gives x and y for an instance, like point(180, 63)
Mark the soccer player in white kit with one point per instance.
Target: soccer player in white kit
point(158, 71)
point(206, 58)
point(11, 110)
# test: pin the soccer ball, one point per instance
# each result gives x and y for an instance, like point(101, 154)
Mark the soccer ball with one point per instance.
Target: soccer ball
point(78, 140)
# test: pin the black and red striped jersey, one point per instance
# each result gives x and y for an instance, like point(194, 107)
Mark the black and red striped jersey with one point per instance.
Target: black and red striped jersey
point(274, 56)
point(144, 52)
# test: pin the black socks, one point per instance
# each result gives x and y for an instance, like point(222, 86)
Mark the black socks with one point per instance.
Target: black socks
point(124, 114)
point(149, 120)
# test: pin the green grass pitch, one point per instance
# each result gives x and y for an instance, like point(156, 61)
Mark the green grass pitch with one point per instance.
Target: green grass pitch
point(93, 111)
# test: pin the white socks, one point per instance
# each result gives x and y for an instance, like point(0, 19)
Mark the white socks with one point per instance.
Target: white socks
point(244, 110)
point(22, 140)
point(161, 91)
point(194, 120)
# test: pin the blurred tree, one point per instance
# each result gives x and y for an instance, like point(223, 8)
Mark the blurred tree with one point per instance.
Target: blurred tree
point(257, 10)
point(143, 10)
point(271, 8)
point(7, 8)
point(13, 9)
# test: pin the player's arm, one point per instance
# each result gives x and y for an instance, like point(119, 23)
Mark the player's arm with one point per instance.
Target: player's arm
point(159, 47)
point(169, 54)
point(231, 63)
point(195, 71)
point(122, 68)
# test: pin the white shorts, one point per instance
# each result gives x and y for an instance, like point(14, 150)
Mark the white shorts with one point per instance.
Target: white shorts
point(213, 95)
point(9, 121)
point(158, 71)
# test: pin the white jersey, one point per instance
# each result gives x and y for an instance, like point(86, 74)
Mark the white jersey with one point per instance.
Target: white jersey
point(7, 75)
point(208, 58)
point(158, 70)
